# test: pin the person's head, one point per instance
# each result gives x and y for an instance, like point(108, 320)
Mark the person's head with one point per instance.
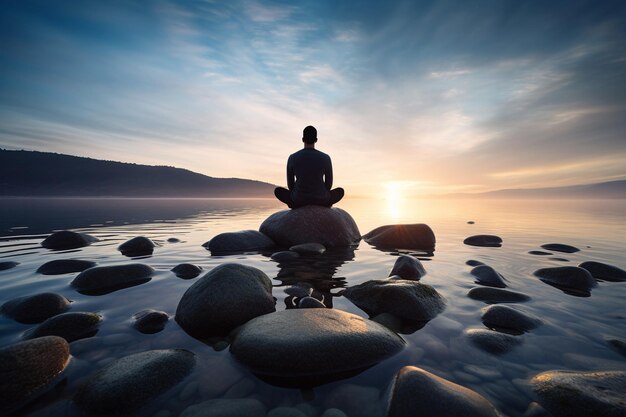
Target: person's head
point(309, 135)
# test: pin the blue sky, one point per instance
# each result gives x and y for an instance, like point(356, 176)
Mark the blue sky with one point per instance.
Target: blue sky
point(430, 96)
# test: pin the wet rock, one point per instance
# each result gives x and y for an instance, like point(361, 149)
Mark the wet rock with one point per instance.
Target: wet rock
point(618, 345)
point(137, 246)
point(243, 241)
point(327, 341)
point(486, 275)
point(490, 241)
point(604, 272)
point(173, 240)
point(222, 407)
point(64, 266)
point(539, 252)
point(29, 368)
point(416, 392)
point(69, 326)
point(186, 271)
point(331, 227)
point(560, 247)
point(35, 308)
point(310, 302)
point(581, 394)
point(473, 262)
point(8, 265)
point(496, 295)
point(128, 383)
point(405, 299)
point(150, 321)
point(407, 267)
point(224, 298)
point(417, 236)
point(285, 255)
point(492, 342)
point(308, 249)
point(508, 318)
point(570, 279)
point(67, 240)
point(471, 222)
point(105, 279)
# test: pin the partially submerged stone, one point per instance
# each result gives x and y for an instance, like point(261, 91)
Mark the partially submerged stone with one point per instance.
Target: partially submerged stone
point(137, 246)
point(8, 265)
point(308, 249)
point(35, 308)
point(408, 267)
point(496, 295)
point(493, 342)
point(560, 247)
point(186, 271)
point(69, 326)
point(285, 255)
point(508, 318)
point(489, 241)
point(416, 236)
point(570, 279)
point(105, 279)
point(150, 321)
point(604, 272)
point(242, 241)
point(64, 266)
point(486, 275)
point(66, 239)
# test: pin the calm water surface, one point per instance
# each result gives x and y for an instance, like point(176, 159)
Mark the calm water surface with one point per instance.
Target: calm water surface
point(572, 336)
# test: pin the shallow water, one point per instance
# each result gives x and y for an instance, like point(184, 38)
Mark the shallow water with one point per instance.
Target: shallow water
point(571, 337)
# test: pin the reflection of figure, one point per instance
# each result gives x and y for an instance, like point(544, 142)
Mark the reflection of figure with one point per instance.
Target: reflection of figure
point(309, 176)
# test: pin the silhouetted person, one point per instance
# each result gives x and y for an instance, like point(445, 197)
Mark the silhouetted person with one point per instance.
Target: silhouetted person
point(309, 176)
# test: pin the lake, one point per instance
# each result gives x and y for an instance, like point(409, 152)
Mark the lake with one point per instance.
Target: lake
point(572, 335)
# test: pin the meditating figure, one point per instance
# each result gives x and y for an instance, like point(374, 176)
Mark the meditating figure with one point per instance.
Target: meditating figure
point(309, 176)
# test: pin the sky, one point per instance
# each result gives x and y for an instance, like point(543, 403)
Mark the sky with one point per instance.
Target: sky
point(415, 96)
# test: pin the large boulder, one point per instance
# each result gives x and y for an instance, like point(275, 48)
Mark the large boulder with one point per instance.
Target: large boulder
point(29, 368)
point(64, 266)
point(224, 298)
point(69, 326)
point(66, 239)
point(243, 241)
point(312, 341)
point(128, 383)
point(409, 300)
point(604, 272)
point(402, 236)
point(570, 279)
point(416, 392)
point(583, 394)
point(35, 308)
point(105, 279)
point(331, 227)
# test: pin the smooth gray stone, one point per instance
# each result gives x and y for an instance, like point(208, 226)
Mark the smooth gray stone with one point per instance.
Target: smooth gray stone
point(473, 262)
point(582, 394)
point(186, 271)
point(242, 241)
point(285, 255)
point(570, 279)
point(137, 246)
point(560, 247)
point(505, 317)
point(105, 279)
point(325, 341)
point(407, 267)
point(29, 368)
point(150, 321)
point(35, 308)
point(417, 236)
point(490, 241)
point(8, 265)
point(308, 249)
point(486, 275)
point(310, 302)
point(492, 342)
point(130, 382)
point(496, 295)
point(416, 392)
point(64, 266)
point(66, 239)
point(331, 227)
point(605, 272)
point(69, 326)
point(224, 298)
point(405, 299)
point(222, 407)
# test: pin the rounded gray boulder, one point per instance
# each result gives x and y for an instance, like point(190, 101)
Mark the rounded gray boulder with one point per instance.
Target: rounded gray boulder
point(69, 326)
point(243, 241)
point(226, 297)
point(486, 275)
point(408, 267)
point(150, 321)
point(505, 317)
point(417, 236)
point(604, 272)
point(331, 227)
point(35, 308)
point(186, 271)
point(66, 239)
point(493, 342)
point(570, 279)
point(106, 279)
point(137, 246)
point(64, 266)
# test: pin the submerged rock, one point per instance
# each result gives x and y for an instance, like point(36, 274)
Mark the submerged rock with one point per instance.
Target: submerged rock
point(493, 342)
point(67, 240)
point(150, 321)
point(416, 392)
point(224, 298)
point(604, 272)
point(473, 262)
point(539, 252)
point(570, 279)
point(407, 267)
point(560, 247)
point(64, 266)
point(105, 279)
point(582, 394)
point(285, 255)
point(490, 241)
point(331, 227)
point(69, 326)
point(308, 249)
point(618, 345)
point(226, 407)
point(137, 246)
point(326, 341)
point(128, 383)
point(8, 265)
point(186, 271)
point(243, 241)
point(416, 236)
point(486, 275)
point(496, 295)
point(35, 308)
point(29, 368)
point(505, 317)
point(405, 299)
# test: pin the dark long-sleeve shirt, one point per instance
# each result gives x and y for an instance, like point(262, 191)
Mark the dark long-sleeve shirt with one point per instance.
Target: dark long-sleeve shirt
point(309, 176)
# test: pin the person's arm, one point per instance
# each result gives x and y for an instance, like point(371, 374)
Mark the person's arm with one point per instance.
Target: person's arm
point(328, 175)
point(290, 174)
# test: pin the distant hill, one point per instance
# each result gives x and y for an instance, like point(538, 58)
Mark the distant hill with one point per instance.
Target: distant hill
point(29, 173)
point(612, 189)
